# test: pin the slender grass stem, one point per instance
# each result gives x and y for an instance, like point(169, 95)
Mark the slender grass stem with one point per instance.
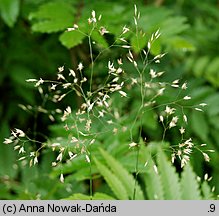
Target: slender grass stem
point(92, 62)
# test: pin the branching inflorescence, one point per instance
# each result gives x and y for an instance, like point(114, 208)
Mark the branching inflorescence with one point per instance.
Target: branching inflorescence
point(99, 105)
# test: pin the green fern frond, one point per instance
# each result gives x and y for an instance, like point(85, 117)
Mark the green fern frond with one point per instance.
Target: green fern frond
point(153, 183)
point(97, 196)
point(153, 186)
point(112, 180)
point(206, 191)
point(189, 184)
point(102, 196)
point(169, 178)
point(78, 196)
point(124, 176)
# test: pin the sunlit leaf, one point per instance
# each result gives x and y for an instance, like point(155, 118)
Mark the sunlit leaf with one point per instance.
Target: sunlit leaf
point(9, 11)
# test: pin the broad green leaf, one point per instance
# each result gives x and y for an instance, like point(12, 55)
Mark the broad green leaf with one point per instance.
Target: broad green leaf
point(99, 39)
point(200, 65)
point(215, 135)
point(211, 73)
point(214, 122)
point(169, 178)
point(156, 47)
point(213, 104)
point(189, 184)
point(112, 180)
point(138, 43)
point(9, 10)
point(114, 15)
point(199, 124)
point(200, 94)
point(213, 66)
point(152, 17)
point(71, 39)
point(53, 17)
point(179, 43)
point(173, 26)
point(123, 175)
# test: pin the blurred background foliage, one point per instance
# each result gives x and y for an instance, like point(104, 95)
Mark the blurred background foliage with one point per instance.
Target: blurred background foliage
point(34, 43)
